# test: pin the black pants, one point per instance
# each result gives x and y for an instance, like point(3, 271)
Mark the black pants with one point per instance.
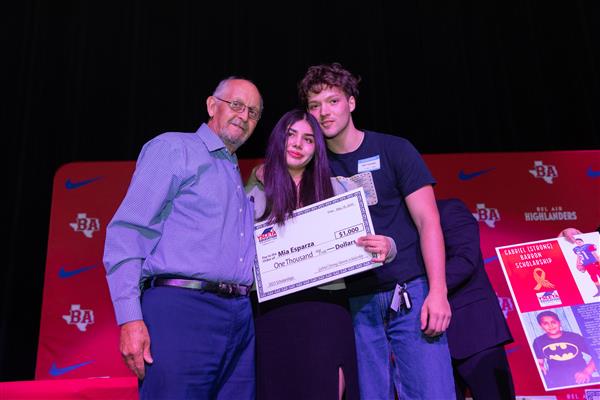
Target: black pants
point(486, 374)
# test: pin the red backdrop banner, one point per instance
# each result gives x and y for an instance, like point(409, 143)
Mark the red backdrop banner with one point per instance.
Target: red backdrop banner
point(516, 197)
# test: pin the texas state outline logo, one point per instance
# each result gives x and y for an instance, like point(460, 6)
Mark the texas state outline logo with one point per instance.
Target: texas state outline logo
point(546, 172)
point(79, 317)
point(487, 215)
point(86, 225)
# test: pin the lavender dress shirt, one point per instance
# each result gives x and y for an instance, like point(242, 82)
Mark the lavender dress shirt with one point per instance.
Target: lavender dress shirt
point(185, 213)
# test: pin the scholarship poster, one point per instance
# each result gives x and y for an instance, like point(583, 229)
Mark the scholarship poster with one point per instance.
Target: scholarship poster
point(556, 288)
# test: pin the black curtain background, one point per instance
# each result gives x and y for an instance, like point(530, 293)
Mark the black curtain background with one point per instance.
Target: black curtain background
point(94, 80)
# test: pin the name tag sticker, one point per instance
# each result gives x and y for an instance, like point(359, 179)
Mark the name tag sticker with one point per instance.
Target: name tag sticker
point(369, 164)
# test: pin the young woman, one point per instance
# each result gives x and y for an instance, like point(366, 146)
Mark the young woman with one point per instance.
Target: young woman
point(305, 340)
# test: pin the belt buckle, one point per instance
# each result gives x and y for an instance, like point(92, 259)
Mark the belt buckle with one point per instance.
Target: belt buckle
point(225, 288)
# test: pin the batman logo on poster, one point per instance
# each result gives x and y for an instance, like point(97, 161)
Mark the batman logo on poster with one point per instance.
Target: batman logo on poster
point(560, 351)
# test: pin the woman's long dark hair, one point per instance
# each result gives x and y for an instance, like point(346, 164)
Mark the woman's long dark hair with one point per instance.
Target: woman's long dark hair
point(280, 189)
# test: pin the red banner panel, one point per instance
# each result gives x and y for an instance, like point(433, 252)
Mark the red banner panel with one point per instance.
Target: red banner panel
point(516, 197)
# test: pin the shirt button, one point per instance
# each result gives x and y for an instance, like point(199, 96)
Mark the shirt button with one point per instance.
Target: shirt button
point(241, 259)
point(239, 187)
point(240, 210)
point(241, 233)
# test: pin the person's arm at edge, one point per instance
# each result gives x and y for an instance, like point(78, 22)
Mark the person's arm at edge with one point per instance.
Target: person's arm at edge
point(435, 313)
point(255, 191)
point(255, 179)
point(584, 375)
point(131, 235)
point(539, 357)
point(542, 365)
point(569, 234)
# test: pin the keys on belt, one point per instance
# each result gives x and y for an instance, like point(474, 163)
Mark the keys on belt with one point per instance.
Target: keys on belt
point(401, 298)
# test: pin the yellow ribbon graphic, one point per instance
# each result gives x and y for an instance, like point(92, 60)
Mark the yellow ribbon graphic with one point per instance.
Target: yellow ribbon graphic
point(540, 277)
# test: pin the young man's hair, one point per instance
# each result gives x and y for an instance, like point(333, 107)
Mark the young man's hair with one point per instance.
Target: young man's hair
point(546, 314)
point(319, 77)
point(280, 189)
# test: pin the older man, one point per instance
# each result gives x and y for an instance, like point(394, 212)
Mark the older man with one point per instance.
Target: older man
point(179, 254)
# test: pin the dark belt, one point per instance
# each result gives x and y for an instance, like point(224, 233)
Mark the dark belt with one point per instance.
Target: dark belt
point(220, 288)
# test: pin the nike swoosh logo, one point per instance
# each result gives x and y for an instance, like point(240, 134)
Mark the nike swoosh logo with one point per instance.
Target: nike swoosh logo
point(464, 176)
point(593, 174)
point(63, 273)
point(55, 371)
point(76, 185)
point(490, 259)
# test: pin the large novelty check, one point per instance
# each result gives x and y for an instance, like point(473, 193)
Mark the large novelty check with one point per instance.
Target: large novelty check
point(314, 247)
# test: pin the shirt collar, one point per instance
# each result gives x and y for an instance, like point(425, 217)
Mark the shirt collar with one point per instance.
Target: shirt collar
point(210, 138)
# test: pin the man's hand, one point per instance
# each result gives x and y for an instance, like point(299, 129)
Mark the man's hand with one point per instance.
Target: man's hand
point(376, 244)
point(569, 234)
point(135, 347)
point(260, 173)
point(435, 314)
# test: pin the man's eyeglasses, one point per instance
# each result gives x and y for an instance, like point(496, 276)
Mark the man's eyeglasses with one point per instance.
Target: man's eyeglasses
point(239, 107)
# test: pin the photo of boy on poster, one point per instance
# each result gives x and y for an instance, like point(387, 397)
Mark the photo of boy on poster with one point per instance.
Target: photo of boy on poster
point(564, 355)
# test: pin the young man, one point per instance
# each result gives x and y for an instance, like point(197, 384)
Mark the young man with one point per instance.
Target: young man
point(407, 337)
point(190, 334)
point(560, 354)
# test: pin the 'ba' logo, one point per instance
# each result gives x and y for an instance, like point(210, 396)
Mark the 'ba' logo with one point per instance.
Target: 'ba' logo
point(85, 225)
point(267, 235)
point(545, 172)
point(79, 317)
point(506, 305)
point(487, 215)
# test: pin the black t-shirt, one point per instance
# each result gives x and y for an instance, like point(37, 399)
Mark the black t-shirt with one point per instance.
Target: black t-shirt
point(564, 356)
point(389, 168)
